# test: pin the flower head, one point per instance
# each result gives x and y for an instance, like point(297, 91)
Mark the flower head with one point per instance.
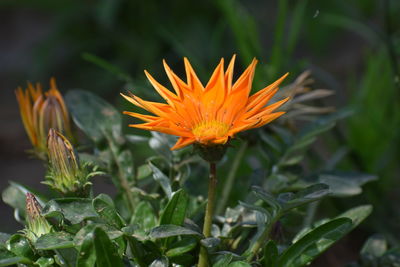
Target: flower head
point(65, 172)
point(208, 115)
point(40, 112)
point(36, 224)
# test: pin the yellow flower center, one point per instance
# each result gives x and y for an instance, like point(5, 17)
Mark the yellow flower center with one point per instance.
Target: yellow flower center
point(210, 129)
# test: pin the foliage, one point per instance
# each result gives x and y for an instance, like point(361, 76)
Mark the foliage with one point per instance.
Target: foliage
point(156, 217)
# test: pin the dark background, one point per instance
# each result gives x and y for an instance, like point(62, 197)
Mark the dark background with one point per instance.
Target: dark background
point(352, 47)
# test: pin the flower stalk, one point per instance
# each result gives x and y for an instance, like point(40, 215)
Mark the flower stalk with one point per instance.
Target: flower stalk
point(212, 188)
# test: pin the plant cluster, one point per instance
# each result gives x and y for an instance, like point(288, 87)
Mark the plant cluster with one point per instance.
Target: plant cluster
point(159, 216)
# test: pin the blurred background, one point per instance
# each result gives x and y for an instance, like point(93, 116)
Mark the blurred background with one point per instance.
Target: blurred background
point(351, 47)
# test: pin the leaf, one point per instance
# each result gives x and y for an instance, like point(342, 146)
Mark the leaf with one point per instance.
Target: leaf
point(87, 253)
point(55, 240)
point(20, 246)
point(8, 258)
point(307, 195)
point(88, 229)
point(3, 238)
point(93, 115)
point(161, 143)
point(175, 211)
point(375, 246)
point(104, 206)
point(270, 254)
point(74, 210)
point(223, 261)
point(162, 179)
point(183, 246)
point(239, 264)
point(357, 214)
point(143, 171)
point(314, 243)
point(210, 242)
point(106, 252)
point(168, 230)
point(162, 262)
point(44, 262)
point(144, 216)
point(138, 250)
point(345, 184)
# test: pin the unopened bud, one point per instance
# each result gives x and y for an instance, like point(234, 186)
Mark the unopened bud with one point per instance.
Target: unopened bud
point(66, 175)
point(40, 112)
point(37, 225)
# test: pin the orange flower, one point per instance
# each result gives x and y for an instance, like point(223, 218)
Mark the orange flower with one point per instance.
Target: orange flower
point(40, 112)
point(211, 114)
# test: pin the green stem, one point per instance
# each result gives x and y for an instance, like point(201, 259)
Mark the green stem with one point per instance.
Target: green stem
point(261, 240)
point(123, 181)
point(212, 186)
point(231, 178)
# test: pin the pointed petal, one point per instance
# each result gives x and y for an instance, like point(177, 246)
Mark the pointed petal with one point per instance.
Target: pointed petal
point(164, 92)
point(267, 110)
point(245, 80)
point(182, 142)
point(192, 79)
point(229, 74)
point(143, 117)
point(267, 89)
point(178, 85)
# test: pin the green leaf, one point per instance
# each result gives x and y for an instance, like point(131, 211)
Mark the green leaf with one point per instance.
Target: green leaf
point(138, 250)
point(375, 246)
point(87, 253)
point(88, 229)
point(357, 214)
point(162, 143)
point(3, 238)
point(239, 264)
point(55, 240)
point(74, 210)
point(223, 261)
point(44, 262)
point(314, 243)
point(8, 258)
point(162, 179)
point(307, 195)
point(183, 246)
point(168, 230)
point(270, 254)
point(143, 171)
point(106, 252)
point(93, 115)
point(162, 262)
point(175, 211)
point(66, 257)
point(20, 246)
point(104, 206)
point(345, 184)
point(144, 216)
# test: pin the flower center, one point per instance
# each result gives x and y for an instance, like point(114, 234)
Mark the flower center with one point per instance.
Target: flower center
point(210, 129)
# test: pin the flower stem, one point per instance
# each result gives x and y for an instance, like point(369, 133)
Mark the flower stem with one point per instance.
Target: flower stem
point(260, 241)
point(231, 178)
point(212, 186)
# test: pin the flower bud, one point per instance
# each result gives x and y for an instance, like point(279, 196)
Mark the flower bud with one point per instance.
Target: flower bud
point(40, 112)
point(37, 225)
point(66, 175)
